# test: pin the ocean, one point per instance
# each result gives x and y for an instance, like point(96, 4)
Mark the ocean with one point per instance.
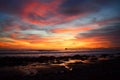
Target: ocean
point(58, 53)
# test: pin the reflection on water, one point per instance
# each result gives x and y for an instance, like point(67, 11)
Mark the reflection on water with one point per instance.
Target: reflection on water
point(66, 63)
point(55, 64)
point(34, 68)
point(31, 69)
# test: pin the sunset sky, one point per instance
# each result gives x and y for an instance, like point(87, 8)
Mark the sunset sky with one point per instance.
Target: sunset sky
point(59, 24)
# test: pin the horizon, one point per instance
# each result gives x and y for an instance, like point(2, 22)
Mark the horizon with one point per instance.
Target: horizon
point(66, 49)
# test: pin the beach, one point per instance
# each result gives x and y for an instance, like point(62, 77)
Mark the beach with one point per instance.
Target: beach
point(77, 67)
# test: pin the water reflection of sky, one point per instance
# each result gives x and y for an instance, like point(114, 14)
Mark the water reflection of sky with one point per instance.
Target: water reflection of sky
point(56, 65)
point(34, 68)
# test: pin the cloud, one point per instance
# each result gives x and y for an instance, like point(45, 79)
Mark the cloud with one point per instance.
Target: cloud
point(59, 23)
point(45, 12)
point(71, 7)
point(6, 40)
point(12, 6)
point(40, 33)
point(75, 29)
point(110, 34)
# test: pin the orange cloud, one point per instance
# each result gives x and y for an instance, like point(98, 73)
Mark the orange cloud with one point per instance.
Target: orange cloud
point(75, 29)
point(46, 13)
point(93, 42)
point(46, 43)
point(37, 12)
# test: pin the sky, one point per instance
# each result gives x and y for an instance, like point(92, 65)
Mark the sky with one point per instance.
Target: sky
point(59, 24)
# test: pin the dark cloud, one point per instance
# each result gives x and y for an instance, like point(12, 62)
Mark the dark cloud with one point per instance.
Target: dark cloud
point(109, 33)
point(16, 6)
point(75, 7)
point(71, 7)
point(12, 6)
point(106, 2)
point(67, 7)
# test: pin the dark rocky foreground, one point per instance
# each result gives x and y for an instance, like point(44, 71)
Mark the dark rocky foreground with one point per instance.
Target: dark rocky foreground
point(103, 67)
